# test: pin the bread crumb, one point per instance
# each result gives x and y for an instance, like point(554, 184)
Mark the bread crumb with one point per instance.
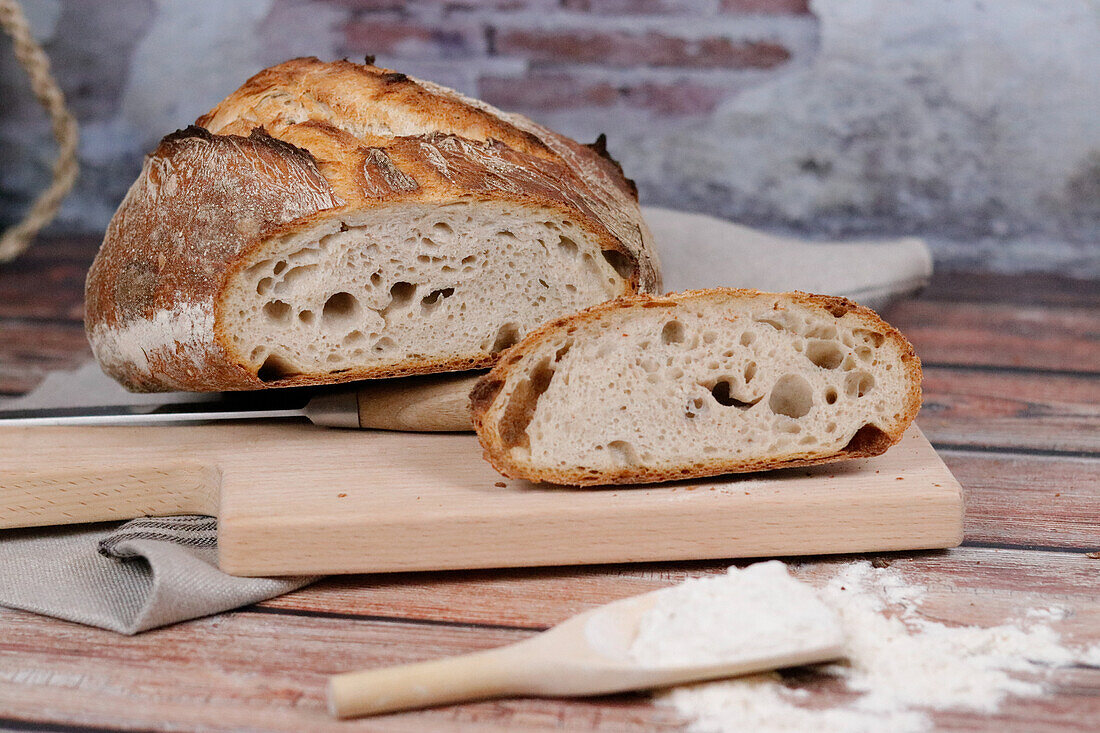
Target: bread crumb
point(341, 495)
point(500, 484)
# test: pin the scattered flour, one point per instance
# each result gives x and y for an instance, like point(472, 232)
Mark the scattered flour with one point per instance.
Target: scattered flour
point(900, 666)
point(758, 610)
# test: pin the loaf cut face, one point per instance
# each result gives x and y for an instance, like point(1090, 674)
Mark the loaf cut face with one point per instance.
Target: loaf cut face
point(336, 221)
point(707, 382)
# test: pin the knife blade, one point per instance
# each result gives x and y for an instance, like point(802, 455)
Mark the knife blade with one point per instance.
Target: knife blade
point(424, 404)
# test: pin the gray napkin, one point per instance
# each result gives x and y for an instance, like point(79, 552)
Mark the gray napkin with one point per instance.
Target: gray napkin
point(156, 571)
point(131, 577)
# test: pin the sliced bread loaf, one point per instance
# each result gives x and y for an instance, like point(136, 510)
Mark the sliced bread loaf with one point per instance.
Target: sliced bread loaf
point(337, 221)
point(700, 383)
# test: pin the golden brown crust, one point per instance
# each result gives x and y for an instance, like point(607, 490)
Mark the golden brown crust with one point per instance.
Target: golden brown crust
point(299, 144)
point(458, 146)
point(170, 246)
point(868, 441)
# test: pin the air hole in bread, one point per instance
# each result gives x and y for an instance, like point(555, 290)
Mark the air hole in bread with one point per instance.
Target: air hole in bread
point(277, 311)
point(293, 277)
point(623, 452)
point(442, 227)
point(747, 338)
point(869, 337)
point(868, 440)
point(264, 286)
point(791, 396)
point(830, 396)
point(279, 267)
point(340, 308)
point(276, 368)
point(354, 337)
point(401, 294)
point(382, 345)
point(434, 298)
point(307, 317)
point(822, 331)
point(825, 354)
point(750, 371)
point(672, 333)
point(721, 392)
point(562, 350)
point(778, 326)
point(858, 384)
point(507, 335)
point(568, 245)
point(620, 262)
point(522, 403)
point(696, 407)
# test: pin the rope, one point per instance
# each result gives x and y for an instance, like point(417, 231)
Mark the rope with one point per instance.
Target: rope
point(15, 240)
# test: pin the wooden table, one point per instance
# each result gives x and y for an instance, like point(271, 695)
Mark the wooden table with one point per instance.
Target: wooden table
point(1012, 401)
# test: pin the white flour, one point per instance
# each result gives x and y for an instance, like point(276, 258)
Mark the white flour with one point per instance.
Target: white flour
point(899, 665)
point(757, 610)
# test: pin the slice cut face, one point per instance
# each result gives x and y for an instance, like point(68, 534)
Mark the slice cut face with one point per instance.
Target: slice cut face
point(408, 288)
point(646, 389)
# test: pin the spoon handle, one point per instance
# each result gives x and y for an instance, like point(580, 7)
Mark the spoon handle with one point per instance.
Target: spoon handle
point(478, 676)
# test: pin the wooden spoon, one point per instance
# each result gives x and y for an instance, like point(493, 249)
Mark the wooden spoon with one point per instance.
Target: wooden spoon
point(588, 654)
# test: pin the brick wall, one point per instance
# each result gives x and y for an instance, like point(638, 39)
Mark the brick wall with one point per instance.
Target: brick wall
point(829, 118)
point(606, 59)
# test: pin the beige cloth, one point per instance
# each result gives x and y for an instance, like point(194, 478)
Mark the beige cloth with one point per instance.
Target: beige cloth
point(142, 581)
point(152, 576)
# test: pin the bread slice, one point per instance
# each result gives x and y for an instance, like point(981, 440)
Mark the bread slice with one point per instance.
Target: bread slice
point(700, 383)
point(337, 221)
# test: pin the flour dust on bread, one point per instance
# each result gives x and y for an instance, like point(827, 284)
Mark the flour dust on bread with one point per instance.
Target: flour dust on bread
point(701, 383)
point(336, 221)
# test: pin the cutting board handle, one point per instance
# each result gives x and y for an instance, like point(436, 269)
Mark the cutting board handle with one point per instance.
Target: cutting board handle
point(105, 493)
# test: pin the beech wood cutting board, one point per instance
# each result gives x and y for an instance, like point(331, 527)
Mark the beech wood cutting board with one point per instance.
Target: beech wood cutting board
point(295, 499)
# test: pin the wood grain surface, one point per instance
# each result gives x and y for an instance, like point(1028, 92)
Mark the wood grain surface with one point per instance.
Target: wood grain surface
point(355, 501)
point(1012, 381)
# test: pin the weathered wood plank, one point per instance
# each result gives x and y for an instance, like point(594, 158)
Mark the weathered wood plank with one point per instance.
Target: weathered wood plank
point(54, 292)
point(30, 349)
point(1028, 500)
point(1018, 289)
point(1012, 410)
point(537, 598)
point(268, 668)
point(994, 334)
point(47, 282)
point(256, 671)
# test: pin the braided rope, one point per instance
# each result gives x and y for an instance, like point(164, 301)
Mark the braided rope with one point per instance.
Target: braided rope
point(15, 240)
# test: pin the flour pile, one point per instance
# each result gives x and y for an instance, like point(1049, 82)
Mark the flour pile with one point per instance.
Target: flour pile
point(900, 666)
point(760, 610)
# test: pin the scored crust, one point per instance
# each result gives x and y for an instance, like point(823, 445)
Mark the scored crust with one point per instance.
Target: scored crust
point(513, 373)
point(298, 148)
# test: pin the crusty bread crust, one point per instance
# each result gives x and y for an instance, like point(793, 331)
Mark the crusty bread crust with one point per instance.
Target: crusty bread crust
point(869, 441)
point(300, 144)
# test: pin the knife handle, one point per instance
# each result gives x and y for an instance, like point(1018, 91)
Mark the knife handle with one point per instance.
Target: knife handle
point(434, 403)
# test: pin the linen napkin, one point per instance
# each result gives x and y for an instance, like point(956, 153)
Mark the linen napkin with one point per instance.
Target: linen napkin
point(156, 571)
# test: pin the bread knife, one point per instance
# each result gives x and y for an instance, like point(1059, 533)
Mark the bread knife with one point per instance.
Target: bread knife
point(435, 403)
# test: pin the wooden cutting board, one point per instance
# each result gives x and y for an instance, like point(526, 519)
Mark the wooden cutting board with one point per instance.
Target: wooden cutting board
point(294, 499)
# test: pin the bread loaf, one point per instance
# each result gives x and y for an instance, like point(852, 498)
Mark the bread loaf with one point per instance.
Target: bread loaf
point(696, 384)
point(336, 221)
